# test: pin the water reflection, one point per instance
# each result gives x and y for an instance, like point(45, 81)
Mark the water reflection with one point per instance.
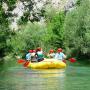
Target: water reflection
point(26, 79)
point(52, 73)
point(19, 78)
point(54, 79)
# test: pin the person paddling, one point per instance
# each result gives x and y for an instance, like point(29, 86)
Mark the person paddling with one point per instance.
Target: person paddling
point(60, 55)
point(39, 54)
point(28, 55)
point(51, 54)
point(33, 58)
point(28, 58)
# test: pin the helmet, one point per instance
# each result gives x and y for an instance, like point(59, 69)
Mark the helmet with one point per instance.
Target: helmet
point(39, 49)
point(51, 51)
point(34, 50)
point(30, 51)
point(59, 50)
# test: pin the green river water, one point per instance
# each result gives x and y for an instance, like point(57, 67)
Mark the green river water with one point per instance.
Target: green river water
point(19, 78)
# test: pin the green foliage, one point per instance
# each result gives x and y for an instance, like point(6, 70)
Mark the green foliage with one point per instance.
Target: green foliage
point(77, 28)
point(3, 31)
point(29, 37)
point(11, 4)
point(71, 32)
point(78, 2)
point(4, 27)
point(24, 19)
point(34, 34)
point(55, 23)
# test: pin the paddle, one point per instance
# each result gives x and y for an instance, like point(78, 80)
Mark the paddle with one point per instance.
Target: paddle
point(64, 61)
point(72, 60)
point(21, 61)
point(24, 62)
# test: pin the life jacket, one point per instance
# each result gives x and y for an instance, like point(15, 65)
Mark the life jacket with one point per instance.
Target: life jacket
point(60, 56)
point(40, 54)
point(28, 56)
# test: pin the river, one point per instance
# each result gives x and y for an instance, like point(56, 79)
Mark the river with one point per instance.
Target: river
point(20, 78)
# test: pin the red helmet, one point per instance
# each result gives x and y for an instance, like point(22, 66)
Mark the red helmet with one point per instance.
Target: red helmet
point(59, 50)
point(51, 51)
point(39, 49)
point(30, 51)
point(34, 50)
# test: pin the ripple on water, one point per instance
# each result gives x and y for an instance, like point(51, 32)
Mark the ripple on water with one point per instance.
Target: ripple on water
point(71, 78)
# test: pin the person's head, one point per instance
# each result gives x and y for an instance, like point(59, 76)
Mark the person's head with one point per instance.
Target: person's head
point(51, 51)
point(30, 51)
point(59, 50)
point(39, 49)
point(34, 51)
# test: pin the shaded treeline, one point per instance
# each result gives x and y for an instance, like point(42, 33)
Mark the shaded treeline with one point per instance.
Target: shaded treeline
point(77, 30)
point(70, 31)
point(4, 28)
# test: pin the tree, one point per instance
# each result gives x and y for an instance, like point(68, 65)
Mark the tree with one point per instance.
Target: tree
point(55, 22)
point(4, 26)
point(77, 29)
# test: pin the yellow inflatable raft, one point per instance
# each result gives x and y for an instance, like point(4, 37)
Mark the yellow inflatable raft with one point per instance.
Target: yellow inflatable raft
point(47, 64)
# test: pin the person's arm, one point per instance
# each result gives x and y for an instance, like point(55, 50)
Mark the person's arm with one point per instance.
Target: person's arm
point(36, 54)
point(64, 56)
point(56, 56)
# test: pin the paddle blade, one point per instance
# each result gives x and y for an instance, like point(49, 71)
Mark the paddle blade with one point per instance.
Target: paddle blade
point(21, 61)
point(64, 61)
point(26, 63)
point(72, 60)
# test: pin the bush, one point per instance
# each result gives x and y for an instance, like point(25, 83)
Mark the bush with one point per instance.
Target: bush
point(77, 28)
